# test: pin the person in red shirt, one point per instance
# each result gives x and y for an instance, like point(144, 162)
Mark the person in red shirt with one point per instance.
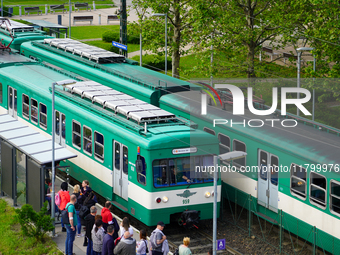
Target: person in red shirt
point(106, 214)
point(64, 199)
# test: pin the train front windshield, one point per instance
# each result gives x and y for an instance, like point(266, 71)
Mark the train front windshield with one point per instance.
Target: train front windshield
point(182, 171)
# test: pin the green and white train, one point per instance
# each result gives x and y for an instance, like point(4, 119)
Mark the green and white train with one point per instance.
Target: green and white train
point(307, 185)
point(134, 154)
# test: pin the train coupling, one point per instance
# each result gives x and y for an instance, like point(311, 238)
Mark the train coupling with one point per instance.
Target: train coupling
point(189, 219)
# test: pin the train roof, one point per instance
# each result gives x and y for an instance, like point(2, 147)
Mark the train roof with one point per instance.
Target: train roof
point(106, 105)
point(121, 68)
point(307, 141)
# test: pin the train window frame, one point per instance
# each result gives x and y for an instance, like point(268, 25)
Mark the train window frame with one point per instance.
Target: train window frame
point(115, 155)
point(245, 158)
point(209, 131)
point(223, 145)
point(296, 192)
point(32, 109)
point(1, 93)
point(167, 180)
point(97, 143)
point(41, 115)
point(88, 141)
point(331, 197)
point(24, 114)
point(78, 134)
point(125, 163)
point(140, 174)
point(312, 199)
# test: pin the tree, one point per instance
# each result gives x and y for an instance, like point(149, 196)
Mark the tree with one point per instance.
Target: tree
point(238, 25)
point(179, 14)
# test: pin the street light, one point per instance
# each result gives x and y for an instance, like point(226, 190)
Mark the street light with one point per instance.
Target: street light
point(299, 51)
point(224, 158)
point(166, 36)
point(60, 83)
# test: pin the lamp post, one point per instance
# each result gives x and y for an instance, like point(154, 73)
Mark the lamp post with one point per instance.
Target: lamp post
point(166, 36)
point(223, 157)
point(299, 52)
point(61, 83)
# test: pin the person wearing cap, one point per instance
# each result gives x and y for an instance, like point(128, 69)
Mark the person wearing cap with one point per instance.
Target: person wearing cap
point(157, 239)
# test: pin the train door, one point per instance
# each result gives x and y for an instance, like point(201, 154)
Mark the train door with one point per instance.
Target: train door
point(60, 128)
point(268, 176)
point(12, 102)
point(120, 175)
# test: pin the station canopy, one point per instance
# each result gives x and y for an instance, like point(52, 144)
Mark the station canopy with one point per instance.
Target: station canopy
point(31, 142)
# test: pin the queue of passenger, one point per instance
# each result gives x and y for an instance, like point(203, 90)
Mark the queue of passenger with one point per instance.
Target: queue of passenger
point(101, 231)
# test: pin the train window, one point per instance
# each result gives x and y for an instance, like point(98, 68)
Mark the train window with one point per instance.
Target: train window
point(76, 134)
point(182, 171)
point(43, 115)
point(224, 143)
point(160, 172)
point(274, 167)
point(34, 110)
point(141, 176)
point(117, 156)
point(125, 160)
point(318, 187)
point(87, 140)
point(239, 146)
point(298, 177)
point(263, 165)
point(0, 93)
point(99, 146)
point(208, 130)
point(25, 106)
point(334, 202)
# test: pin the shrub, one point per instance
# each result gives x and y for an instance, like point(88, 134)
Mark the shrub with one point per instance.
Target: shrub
point(34, 224)
point(155, 62)
point(110, 36)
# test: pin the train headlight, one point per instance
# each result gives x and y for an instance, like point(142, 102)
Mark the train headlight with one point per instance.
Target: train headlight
point(158, 200)
point(213, 193)
point(207, 194)
point(165, 199)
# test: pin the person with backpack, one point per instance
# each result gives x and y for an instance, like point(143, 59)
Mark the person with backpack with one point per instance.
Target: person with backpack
point(157, 238)
point(142, 245)
point(109, 241)
point(106, 214)
point(61, 202)
point(71, 226)
point(126, 246)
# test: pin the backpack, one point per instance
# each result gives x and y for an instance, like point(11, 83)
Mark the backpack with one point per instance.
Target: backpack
point(153, 240)
point(176, 252)
point(117, 240)
point(83, 212)
point(147, 249)
point(57, 199)
point(64, 215)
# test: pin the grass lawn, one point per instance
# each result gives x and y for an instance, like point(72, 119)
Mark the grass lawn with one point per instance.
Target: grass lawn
point(89, 32)
point(13, 242)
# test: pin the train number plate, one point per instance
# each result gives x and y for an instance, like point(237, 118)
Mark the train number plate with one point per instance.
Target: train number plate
point(186, 201)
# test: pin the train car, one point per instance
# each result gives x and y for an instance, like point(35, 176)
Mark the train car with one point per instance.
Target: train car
point(16, 33)
point(293, 169)
point(134, 154)
point(114, 70)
